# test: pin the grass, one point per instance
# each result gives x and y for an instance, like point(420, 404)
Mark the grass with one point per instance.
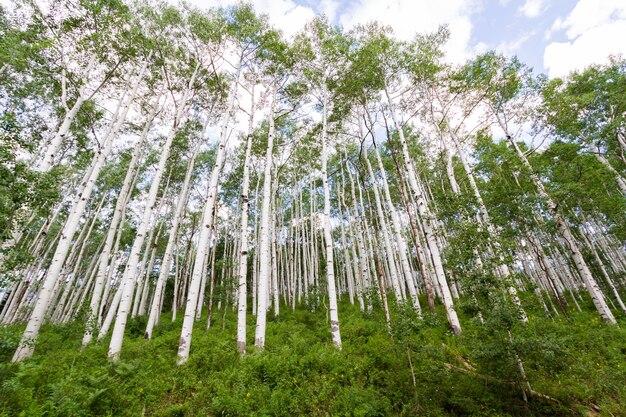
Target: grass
point(577, 365)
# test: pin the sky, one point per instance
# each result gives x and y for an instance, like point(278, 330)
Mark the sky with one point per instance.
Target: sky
point(553, 36)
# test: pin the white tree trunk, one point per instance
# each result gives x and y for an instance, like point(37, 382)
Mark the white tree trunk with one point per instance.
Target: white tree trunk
point(397, 227)
point(428, 228)
point(130, 273)
point(328, 238)
point(166, 262)
point(205, 230)
point(26, 347)
point(243, 254)
point(384, 230)
point(105, 256)
point(571, 245)
point(264, 238)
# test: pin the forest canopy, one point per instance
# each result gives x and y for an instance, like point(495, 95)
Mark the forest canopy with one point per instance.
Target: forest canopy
point(159, 159)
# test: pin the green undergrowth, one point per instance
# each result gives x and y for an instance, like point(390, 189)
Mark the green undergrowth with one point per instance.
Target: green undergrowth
point(575, 366)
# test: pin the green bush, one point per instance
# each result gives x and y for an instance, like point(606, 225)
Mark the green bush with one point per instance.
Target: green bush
point(416, 368)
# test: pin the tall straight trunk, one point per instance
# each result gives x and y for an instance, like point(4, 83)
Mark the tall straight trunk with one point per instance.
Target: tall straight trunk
point(202, 289)
point(255, 259)
point(76, 305)
point(423, 264)
point(243, 254)
point(27, 346)
point(368, 232)
point(177, 275)
point(606, 275)
point(86, 279)
point(381, 287)
point(148, 253)
point(212, 275)
point(166, 262)
point(571, 245)
point(84, 238)
point(345, 245)
point(264, 235)
point(384, 230)
point(274, 238)
point(110, 274)
point(363, 253)
point(304, 253)
point(30, 279)
point(544, 263)
point(130, 274)
point(105, 256)
point(428, 227)
point(205, 229)
point(397, 228)
point(55, 143)
point(108, 319)
point(328, 237)
point(502, 268)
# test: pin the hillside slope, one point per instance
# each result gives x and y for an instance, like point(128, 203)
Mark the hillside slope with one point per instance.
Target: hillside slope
point(574, 366)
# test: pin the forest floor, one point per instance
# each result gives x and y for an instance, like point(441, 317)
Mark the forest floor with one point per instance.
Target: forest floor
point(575, 366)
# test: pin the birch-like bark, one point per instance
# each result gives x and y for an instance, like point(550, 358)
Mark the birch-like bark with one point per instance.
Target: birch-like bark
point(264, 234)
point(243, 254)
point(212, 275)
point(105, 256)
point(130, 274)
point(363, 258)
point(26, 347)
point(384, 230)
point(166, 262)
point(273, 239)
point(84, 237)
point(423, 264)
point(397, 227)
point(428, 228)
point(606, 275)
point(328, 237)
point(565, 232)
point(205, 229)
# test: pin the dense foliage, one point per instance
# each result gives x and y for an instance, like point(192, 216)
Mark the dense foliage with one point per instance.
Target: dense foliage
point(576, 366)
point(456, 231)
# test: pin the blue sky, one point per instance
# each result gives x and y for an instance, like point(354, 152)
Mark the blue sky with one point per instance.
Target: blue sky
point(553, 36)
point(504, 26)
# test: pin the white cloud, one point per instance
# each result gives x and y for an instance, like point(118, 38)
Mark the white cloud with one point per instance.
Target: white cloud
point(480, 48)
point(589, 14)
point(532, 8)
point(594, 29)
point(285, 15)
point(329, 8)
point(408, 17)
point(510, 48)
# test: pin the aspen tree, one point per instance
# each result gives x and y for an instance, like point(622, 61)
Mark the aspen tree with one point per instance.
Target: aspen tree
point(26, 347)
point(130, 273)
point(205, 227)
point(243, 253)
point(508, 87)
point(264, 232)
